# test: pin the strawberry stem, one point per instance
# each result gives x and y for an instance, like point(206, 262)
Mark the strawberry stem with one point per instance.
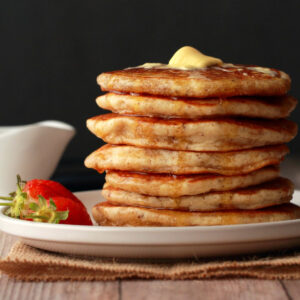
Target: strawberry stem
point(38, 210)
point(7, 198)
point(6, 204)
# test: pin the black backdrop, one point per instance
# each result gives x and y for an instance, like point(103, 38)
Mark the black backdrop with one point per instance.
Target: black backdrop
point(52, 51)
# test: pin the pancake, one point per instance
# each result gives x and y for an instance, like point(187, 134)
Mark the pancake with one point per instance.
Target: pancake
point(180, 185)
point(217, 81)
point(130, 158)
point(255, 107)
point(274, 192)
point(191, 134)
point(106, 214)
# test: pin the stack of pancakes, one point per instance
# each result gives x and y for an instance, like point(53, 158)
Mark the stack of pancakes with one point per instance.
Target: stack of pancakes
point(193, 147)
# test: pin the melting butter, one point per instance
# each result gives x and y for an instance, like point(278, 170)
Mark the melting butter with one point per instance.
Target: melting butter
point(263, 70)
point(185, 58)
point(190, 58)
point(152, 65)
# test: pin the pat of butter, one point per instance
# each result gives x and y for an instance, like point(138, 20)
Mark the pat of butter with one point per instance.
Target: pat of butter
point(263, 70)
point(151, 65)
point(190, 58)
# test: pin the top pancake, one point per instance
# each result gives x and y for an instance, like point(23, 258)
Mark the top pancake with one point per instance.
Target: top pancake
point(218, 81)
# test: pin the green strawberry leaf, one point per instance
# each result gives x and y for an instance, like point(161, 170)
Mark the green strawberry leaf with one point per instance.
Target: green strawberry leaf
point(62, 215)
point(34, 216)
point(52, 204)
point(33, 206)
point(42, 201)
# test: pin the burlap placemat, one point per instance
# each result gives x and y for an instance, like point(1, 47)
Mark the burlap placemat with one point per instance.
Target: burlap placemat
point(30, 264)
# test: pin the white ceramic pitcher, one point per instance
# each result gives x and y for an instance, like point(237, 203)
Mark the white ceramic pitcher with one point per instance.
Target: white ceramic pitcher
point(33, 151)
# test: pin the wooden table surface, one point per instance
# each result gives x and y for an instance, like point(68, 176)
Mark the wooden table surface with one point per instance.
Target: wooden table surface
point(145, 289)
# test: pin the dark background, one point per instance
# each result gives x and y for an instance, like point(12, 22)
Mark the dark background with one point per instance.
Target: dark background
point(52, 51)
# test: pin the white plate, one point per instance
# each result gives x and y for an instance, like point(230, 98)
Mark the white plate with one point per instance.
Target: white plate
point(154, 241)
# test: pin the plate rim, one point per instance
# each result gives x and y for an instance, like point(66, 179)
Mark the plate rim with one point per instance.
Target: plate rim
point(105, 231)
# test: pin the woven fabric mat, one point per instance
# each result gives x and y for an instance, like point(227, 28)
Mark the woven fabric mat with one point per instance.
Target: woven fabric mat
point(31, 264)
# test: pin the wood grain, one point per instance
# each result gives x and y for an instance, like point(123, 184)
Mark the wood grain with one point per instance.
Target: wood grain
point(137, 289)
point(205, 289)
point(17, 290)
point(292, 288)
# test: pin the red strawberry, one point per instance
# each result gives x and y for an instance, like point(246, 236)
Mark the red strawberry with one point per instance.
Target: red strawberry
point(46, 201)
point(76, 213)
point(47, 189)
